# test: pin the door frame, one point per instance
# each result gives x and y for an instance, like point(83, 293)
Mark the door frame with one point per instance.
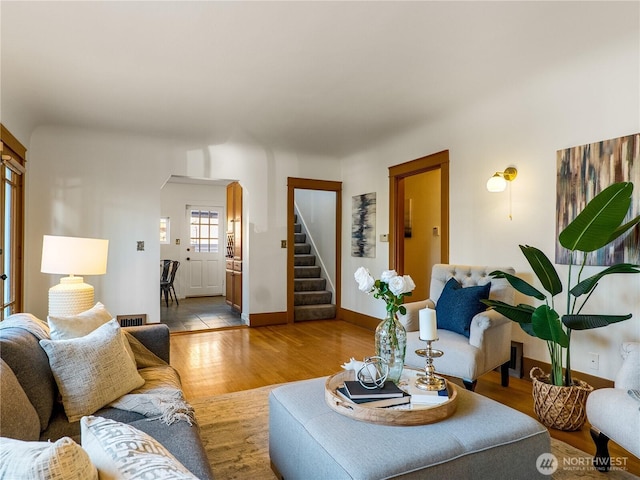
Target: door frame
point(308, 184)
point(397, 174)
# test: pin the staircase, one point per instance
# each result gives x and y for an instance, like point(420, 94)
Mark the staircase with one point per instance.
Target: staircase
point(312, 301)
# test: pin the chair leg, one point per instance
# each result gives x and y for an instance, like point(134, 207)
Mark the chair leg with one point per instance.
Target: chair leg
point(174, 295)
point(470, 385)
point(601, 460)
point(166, 296)
point(504, 374)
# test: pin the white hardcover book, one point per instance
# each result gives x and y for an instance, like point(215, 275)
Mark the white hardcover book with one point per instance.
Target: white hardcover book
point(420, 396)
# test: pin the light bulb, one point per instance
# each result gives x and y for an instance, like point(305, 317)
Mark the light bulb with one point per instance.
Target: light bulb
point(496, 183)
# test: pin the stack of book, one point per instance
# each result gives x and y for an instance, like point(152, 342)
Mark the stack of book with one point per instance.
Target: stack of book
point(426, 397)
point(386, 396)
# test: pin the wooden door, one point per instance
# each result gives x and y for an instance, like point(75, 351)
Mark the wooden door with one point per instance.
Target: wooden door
point(233, 251)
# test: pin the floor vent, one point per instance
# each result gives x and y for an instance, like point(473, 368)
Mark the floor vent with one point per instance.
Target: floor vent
point(132, 320)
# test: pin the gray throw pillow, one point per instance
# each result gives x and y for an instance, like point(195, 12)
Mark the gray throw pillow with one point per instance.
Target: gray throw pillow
point(18, 418)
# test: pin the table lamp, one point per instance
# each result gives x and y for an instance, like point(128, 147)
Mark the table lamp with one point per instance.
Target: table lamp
point(72, 256)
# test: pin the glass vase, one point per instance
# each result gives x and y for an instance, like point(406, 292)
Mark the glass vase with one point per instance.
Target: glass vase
point(391, 344)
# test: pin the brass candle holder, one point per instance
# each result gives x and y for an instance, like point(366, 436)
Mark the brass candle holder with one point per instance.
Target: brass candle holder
point(430, 381)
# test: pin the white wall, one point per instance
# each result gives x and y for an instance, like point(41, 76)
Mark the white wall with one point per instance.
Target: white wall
point(317, 209)
point(83, 183)
point(592, 98)
point(174, 197)
point(90, 183)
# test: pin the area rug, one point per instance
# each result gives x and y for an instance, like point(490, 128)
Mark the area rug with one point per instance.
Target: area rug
point(235, 431)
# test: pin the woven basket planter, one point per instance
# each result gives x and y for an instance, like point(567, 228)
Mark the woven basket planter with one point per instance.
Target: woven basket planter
point(562, 408)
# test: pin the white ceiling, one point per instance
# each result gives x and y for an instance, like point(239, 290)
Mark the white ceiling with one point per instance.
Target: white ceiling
point(319, 77)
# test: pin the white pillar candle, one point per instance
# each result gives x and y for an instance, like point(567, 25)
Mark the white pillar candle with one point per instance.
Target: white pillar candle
point(428, 324)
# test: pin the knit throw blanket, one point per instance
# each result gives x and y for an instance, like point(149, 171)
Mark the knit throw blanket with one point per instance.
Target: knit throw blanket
point(28, 322)
point(161, 397)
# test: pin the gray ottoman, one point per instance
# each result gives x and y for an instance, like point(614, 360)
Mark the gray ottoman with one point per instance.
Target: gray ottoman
point(482, 440)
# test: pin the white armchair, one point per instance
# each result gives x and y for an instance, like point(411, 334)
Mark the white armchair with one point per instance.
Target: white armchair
point(488, 345)
point(614, 413)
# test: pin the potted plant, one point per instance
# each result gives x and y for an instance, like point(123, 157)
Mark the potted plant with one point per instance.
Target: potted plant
point(599, 224)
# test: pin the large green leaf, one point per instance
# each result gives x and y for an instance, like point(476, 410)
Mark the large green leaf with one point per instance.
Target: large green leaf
point(528, 328)
point(622, 229)
point(518, 313)
point(547, 326)
point(595, 226)
point(520, 285)
point(587, 322)
point(543, 268)
point(588, 284)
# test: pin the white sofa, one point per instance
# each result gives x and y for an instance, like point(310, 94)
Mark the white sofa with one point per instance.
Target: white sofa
point(488, 345)
point(614, 413)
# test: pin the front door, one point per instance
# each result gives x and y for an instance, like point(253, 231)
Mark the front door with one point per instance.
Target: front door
point(204, 257)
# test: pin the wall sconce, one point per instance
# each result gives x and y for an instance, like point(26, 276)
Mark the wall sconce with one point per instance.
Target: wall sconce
point(498, 183)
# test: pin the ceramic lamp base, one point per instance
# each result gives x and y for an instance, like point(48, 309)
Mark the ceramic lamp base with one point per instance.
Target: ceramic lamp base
point(70, 297)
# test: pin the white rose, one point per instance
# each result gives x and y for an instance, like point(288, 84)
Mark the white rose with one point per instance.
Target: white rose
point(388, 275)
point(397, 285)
point(364, 279)
point(409, 285)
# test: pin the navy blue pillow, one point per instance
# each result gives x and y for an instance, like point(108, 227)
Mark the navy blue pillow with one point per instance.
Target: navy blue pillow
point(457, 306)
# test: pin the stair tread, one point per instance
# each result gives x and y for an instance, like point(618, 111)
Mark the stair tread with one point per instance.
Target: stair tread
point(314, 312)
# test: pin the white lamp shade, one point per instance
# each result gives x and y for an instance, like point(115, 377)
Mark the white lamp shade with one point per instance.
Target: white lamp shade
point(74, 256)
point(496, 184)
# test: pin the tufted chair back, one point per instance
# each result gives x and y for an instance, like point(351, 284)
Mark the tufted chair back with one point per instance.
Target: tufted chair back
point(469, 276)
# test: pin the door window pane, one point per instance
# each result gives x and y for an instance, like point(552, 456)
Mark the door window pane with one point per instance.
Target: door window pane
point(204, 230)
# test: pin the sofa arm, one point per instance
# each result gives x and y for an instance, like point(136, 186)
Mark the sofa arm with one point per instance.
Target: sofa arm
point(411, 319)
point(154, 336)
point(483, 323)
point(628, 377)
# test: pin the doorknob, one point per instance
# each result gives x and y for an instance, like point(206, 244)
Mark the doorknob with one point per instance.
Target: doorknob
point(3, 276)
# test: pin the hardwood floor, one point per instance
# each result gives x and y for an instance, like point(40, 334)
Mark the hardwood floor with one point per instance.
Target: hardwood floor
point(217, 362)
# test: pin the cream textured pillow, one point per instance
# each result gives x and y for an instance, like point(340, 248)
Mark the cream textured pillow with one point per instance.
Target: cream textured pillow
point(61, 460)
point(74, 326)
point(123, 452)
point(93, 370)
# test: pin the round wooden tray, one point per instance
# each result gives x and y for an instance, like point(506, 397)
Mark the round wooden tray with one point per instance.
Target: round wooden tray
point(409, 415)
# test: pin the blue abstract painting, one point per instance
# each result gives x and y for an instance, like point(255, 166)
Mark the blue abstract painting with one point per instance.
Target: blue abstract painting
point(363, 225)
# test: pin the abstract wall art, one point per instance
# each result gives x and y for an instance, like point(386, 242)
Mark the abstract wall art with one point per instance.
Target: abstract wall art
point(363, 225)
point(585, 171)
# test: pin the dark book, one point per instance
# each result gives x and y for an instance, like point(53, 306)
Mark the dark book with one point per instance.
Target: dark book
point(356, 391)
point(372, 402)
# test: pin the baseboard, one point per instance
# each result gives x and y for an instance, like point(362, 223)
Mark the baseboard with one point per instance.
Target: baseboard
point(595, 382)
point(358, 319)
point(266, 319)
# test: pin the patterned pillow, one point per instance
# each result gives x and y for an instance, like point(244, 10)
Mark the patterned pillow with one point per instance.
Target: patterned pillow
point(457, 306)
point(61, 460)
point(74, 326)
point(93, 370)
point(124, 452)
